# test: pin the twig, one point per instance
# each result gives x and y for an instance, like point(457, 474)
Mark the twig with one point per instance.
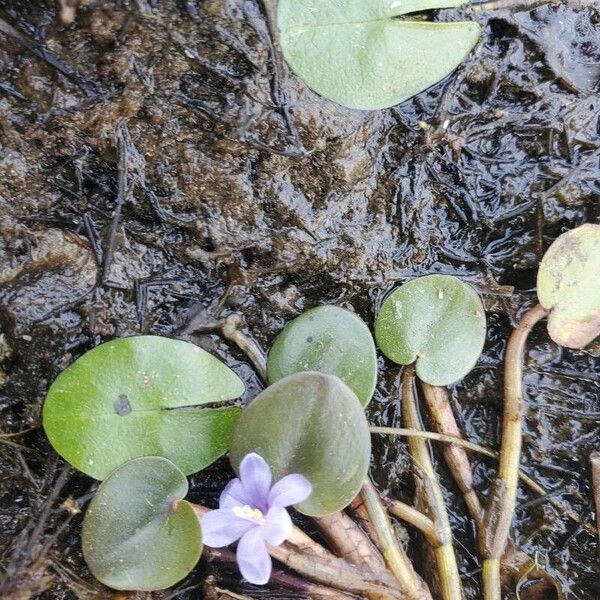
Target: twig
point(91, 88)
point(429, 493)
point(412, 585)
point(500, 508)
point(124, 144)
point(277, 92)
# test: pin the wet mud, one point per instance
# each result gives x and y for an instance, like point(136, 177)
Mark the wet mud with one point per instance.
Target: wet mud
point(161, 168)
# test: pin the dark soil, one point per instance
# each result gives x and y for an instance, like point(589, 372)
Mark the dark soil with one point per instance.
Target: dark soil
point(160, 166)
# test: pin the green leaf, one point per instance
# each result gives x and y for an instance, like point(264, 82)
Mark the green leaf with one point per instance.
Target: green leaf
point(360, 54)
point(568, 285)
point(139, 533)
point(313, 424)
point(141, 396)
point(331, 340)
point(437, 321)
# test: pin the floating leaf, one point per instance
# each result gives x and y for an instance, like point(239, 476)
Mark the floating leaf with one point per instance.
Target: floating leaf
point(141, 396)
point(138, 532)
point(568, 285)
point(313, 424)
point(437, 321)
point(331, 340)
point(360, 54)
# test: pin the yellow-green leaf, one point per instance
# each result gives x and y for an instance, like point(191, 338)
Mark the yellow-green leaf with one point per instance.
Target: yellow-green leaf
point(361, 54)
point(141, 396)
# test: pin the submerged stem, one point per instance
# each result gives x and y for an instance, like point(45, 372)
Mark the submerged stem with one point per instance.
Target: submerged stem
point(430, 492)
point(515, 564)
point(451, 439)
point(490, 578)
point(501, 504)
point(412, 585)
point(455, 456)
point(513, 5)
point(349, 541)
point(414, 517)
point(318, 565)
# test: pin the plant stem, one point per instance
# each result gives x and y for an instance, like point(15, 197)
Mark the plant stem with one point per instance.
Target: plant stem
point(503, 497)
point(515, 5)
point(456, 458)
point(515, 563)
point(285, 580)
point(413, 517)
point(361, 514)
point(231, 330)
point(318, 565)
point(349, 541)
point(412, 585)
point(450, 439)
point(437, 437)
point(490, 577)
point(430, 492)
point(449, 577)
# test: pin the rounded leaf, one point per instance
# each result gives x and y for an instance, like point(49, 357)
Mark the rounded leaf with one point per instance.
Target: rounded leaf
point(312, 424)
point(437, 321)
point(141, 396)
point(360, 54)
point(331, 340)
point(138, 532)
point(568, 285)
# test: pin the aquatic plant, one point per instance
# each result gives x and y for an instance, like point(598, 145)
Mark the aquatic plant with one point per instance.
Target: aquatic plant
point(331, 340)
point(142, 396)
point(139, 533)
point(310, 423)
point(144, 412)
point(371, 55)
point(436, 322)
point(253, 511)
point(569, 295)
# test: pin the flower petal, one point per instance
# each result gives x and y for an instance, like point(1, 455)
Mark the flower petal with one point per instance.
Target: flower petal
point(222, 527)
point(253, 559)
point(256, 479)
point(277, 527)
point(289, 490)
point(234, 495)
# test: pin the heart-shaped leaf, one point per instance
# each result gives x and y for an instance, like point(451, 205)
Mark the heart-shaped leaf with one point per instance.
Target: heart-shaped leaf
point(139, 533)
point(437, 321)
point(331, 340)
point(313, 424)
point(360, 54)
point(141, 396)
point(568, 285)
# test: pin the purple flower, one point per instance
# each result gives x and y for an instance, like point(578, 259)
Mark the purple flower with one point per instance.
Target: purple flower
point(253, 512)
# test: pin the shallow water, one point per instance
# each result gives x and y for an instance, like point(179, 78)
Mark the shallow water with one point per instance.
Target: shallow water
point(252, 195)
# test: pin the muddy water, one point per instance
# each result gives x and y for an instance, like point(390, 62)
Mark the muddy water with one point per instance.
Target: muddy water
point(159, 165)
